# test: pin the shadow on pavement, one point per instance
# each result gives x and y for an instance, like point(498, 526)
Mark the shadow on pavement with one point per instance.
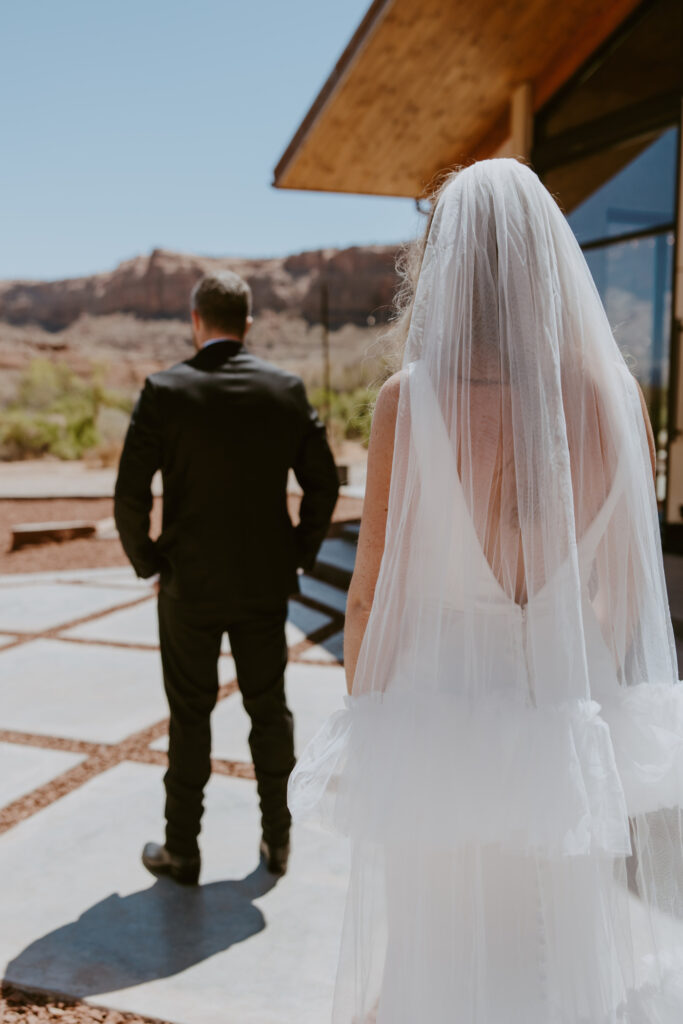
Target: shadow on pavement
point(151, 934)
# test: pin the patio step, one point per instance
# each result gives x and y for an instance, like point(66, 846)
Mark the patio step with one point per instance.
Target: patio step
point(24, 534)
point(350, 531)
point(336, 560)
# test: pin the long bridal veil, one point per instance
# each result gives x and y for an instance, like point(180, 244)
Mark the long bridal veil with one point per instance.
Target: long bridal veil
point(510, 766)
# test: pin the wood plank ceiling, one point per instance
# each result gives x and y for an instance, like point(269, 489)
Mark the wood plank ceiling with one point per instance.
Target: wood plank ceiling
point(426, 84)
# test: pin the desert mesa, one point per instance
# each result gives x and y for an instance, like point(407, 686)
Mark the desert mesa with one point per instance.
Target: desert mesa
point(134, 318)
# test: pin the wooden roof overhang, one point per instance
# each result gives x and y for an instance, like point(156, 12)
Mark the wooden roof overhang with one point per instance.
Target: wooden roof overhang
point(427, 84)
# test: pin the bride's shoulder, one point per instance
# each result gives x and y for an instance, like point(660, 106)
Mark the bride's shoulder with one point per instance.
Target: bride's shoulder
point(386, 406)
point(386, 409)
point(391, 389)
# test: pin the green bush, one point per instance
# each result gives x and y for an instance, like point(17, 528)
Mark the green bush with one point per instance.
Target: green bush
point(27, 433)
point(55, 412)
point(349, 413)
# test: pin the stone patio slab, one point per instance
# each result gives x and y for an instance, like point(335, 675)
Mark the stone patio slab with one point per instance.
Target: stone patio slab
point(83, 692)
point(239, 949)
point(333, 597)
point(330, 650)
point(46, 479)
point(313, 693)
point(139, 625)
point(118, 576)
point(136, 625)
point(32, 609)
point(23, 769)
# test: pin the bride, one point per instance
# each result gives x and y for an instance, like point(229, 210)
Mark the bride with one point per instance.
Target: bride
point(509, 765)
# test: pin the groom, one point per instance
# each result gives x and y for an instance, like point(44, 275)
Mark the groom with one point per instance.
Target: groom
point(224, 428)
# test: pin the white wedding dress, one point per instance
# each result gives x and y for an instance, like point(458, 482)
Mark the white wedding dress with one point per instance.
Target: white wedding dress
point(510, 765)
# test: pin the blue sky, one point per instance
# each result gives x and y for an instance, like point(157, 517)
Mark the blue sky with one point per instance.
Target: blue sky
point(143, 123)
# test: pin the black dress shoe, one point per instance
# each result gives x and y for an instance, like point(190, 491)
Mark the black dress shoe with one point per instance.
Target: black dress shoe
point(161, 861)
point(275, 857)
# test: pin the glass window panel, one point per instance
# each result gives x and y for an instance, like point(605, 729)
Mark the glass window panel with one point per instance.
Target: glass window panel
point(635, 283)
point(641, 195)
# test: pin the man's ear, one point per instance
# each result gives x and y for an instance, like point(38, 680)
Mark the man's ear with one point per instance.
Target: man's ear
point(196, 319)
point(247, 324)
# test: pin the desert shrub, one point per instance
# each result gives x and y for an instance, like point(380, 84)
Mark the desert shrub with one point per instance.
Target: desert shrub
point(43, 382)
point(112, 424)
point(24, 433)
point(360, 414)
point(350, 412)
point(55, 412)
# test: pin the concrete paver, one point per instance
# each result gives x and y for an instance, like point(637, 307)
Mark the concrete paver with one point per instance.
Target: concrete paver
point(114, 577)
point(138, 625)
point(47, 479)
point(83, 692)
point(240, 947)
point(80, 914)
point(118, 576)
point(237, 949)
point(23, 769)
point(32, 609)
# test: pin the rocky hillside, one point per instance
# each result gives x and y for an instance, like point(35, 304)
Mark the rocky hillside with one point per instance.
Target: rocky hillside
point(135, 317)
point(360, 284)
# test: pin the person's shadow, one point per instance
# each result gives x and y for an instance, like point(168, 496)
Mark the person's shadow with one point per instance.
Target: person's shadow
point(154, 933)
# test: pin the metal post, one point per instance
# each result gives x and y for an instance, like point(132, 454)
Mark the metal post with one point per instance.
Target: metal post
point(325, 324)
point(522, 121)
point(674, 482)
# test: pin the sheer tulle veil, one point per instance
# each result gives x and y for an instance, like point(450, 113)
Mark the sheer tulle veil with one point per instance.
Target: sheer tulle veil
point(510, 766)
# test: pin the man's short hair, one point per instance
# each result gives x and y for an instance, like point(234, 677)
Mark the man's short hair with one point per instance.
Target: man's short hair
point(223, 301)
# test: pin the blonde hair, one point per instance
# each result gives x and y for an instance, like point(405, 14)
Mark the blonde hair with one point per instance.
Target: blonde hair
point(408, 267)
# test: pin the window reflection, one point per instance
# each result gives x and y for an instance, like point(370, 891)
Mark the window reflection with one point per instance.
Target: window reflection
point(634, 279)
point(626, 228)
point(639, 197)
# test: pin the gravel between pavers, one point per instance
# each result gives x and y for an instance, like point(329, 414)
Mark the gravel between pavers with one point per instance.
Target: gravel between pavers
point(35, 1007)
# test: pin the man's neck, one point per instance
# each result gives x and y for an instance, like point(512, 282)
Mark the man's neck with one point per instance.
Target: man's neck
point(218, 337)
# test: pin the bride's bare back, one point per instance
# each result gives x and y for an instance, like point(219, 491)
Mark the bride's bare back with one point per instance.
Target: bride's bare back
point(494, 489)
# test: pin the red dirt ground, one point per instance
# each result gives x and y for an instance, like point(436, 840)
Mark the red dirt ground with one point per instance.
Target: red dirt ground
point(17, 1007)
point(90, 553)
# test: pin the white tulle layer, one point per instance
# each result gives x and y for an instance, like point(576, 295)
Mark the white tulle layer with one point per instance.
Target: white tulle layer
point(659, 1000)
point(646, 726)
point(558, 781)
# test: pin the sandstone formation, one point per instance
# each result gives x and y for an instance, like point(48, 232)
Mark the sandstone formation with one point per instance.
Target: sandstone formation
point(360, 284)
point(134, 319)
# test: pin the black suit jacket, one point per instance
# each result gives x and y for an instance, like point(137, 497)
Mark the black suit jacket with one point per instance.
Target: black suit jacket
point(224, 428)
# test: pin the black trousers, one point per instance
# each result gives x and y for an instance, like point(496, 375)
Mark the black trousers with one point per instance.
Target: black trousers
point(190, 637)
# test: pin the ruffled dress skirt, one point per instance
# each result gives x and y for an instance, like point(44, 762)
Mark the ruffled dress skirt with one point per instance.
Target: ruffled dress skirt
point(511, 863)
